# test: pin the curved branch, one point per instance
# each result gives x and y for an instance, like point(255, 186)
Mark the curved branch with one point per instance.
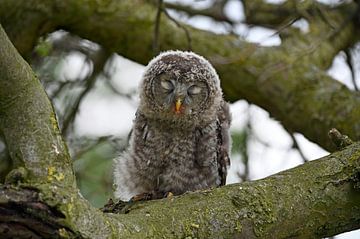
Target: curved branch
point(99, 59)
point(28, 122)
point(215, 11)
point(303, 202)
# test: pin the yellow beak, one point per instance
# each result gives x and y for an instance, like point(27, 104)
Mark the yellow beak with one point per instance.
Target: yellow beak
point(178, 105)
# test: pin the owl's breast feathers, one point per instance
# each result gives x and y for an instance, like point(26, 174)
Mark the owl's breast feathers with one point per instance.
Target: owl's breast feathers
point(190, 159)
point(162, 159)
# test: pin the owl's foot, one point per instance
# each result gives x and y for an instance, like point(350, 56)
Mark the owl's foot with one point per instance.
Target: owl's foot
point(168, 195)
point(142, 197)
point(118, 206)
point(151, 196)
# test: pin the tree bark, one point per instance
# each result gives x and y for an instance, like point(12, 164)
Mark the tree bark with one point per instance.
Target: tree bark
point(289, 80)
point(28, 123)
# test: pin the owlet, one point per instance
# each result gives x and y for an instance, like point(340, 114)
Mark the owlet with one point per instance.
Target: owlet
point(180, 136)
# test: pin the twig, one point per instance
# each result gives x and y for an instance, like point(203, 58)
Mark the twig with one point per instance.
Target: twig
point(188, 37)
point(215, 11)
point(156, 47)
point(244, 146)
point(350, 63)
point(60, 88)
point(84, 149)
point(113, 88)
point(297, 147)
point(276, 67)
point(283, 27)
point(339, 140)
point(323, 16)
point(99, 61)
point(244, 152)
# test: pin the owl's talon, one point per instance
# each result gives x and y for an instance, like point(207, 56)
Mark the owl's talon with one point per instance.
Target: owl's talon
point(169, 195)
point(141, 197)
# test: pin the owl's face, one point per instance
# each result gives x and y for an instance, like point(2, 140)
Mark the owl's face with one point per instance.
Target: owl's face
point(180, 86)
point(178, 94)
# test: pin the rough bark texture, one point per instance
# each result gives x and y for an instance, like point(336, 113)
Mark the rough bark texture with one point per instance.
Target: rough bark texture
point(320, 198)
point(315, 200)
point(289, 81)
point(28, 123)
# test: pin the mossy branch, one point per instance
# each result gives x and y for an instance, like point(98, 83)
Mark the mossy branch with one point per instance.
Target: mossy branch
point(28, 123)
point(303, 202)
point(289, 81)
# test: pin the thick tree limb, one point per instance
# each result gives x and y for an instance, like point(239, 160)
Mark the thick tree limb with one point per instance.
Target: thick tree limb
point(28, 122)
point(288, 81)
point(304, 202)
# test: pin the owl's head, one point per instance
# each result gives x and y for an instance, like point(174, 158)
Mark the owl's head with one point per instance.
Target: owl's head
point(181, 87)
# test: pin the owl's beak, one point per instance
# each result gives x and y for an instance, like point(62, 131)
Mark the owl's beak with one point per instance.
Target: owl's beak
point(178, 104)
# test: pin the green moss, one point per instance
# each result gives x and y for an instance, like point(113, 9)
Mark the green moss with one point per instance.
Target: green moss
point(43, 48)
point(257, 207)
point(16, 176)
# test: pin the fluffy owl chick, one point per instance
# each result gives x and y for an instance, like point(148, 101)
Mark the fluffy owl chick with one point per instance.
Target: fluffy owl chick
point(180, 138)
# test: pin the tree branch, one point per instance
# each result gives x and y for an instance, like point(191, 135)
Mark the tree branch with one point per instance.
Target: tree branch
point(215, 11)
point(350, 63)
point(303, 202)
point(157, 28)
point(99, 59)
point(261, 13)
point(37, 144)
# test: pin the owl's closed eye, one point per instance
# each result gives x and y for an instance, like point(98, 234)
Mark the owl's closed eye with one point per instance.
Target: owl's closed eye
point(179, 94)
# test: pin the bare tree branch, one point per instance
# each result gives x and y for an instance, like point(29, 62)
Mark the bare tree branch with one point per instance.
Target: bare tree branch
point(297, 147)
point(187, 33)
point(99, 60)
point(215, 11)
point(157, 28)
point(350, 63)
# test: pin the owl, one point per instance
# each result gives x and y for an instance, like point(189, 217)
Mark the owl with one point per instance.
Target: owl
point(180, 137)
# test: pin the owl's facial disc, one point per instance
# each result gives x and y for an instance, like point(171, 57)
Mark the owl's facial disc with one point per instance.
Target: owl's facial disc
point(179, 94)
point(184, 97)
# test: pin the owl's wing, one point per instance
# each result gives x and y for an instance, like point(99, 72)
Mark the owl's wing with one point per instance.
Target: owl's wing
point(140, 127)
point(223, 124)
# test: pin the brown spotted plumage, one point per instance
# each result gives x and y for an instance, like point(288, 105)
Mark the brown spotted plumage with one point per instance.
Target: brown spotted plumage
point(180, 140)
